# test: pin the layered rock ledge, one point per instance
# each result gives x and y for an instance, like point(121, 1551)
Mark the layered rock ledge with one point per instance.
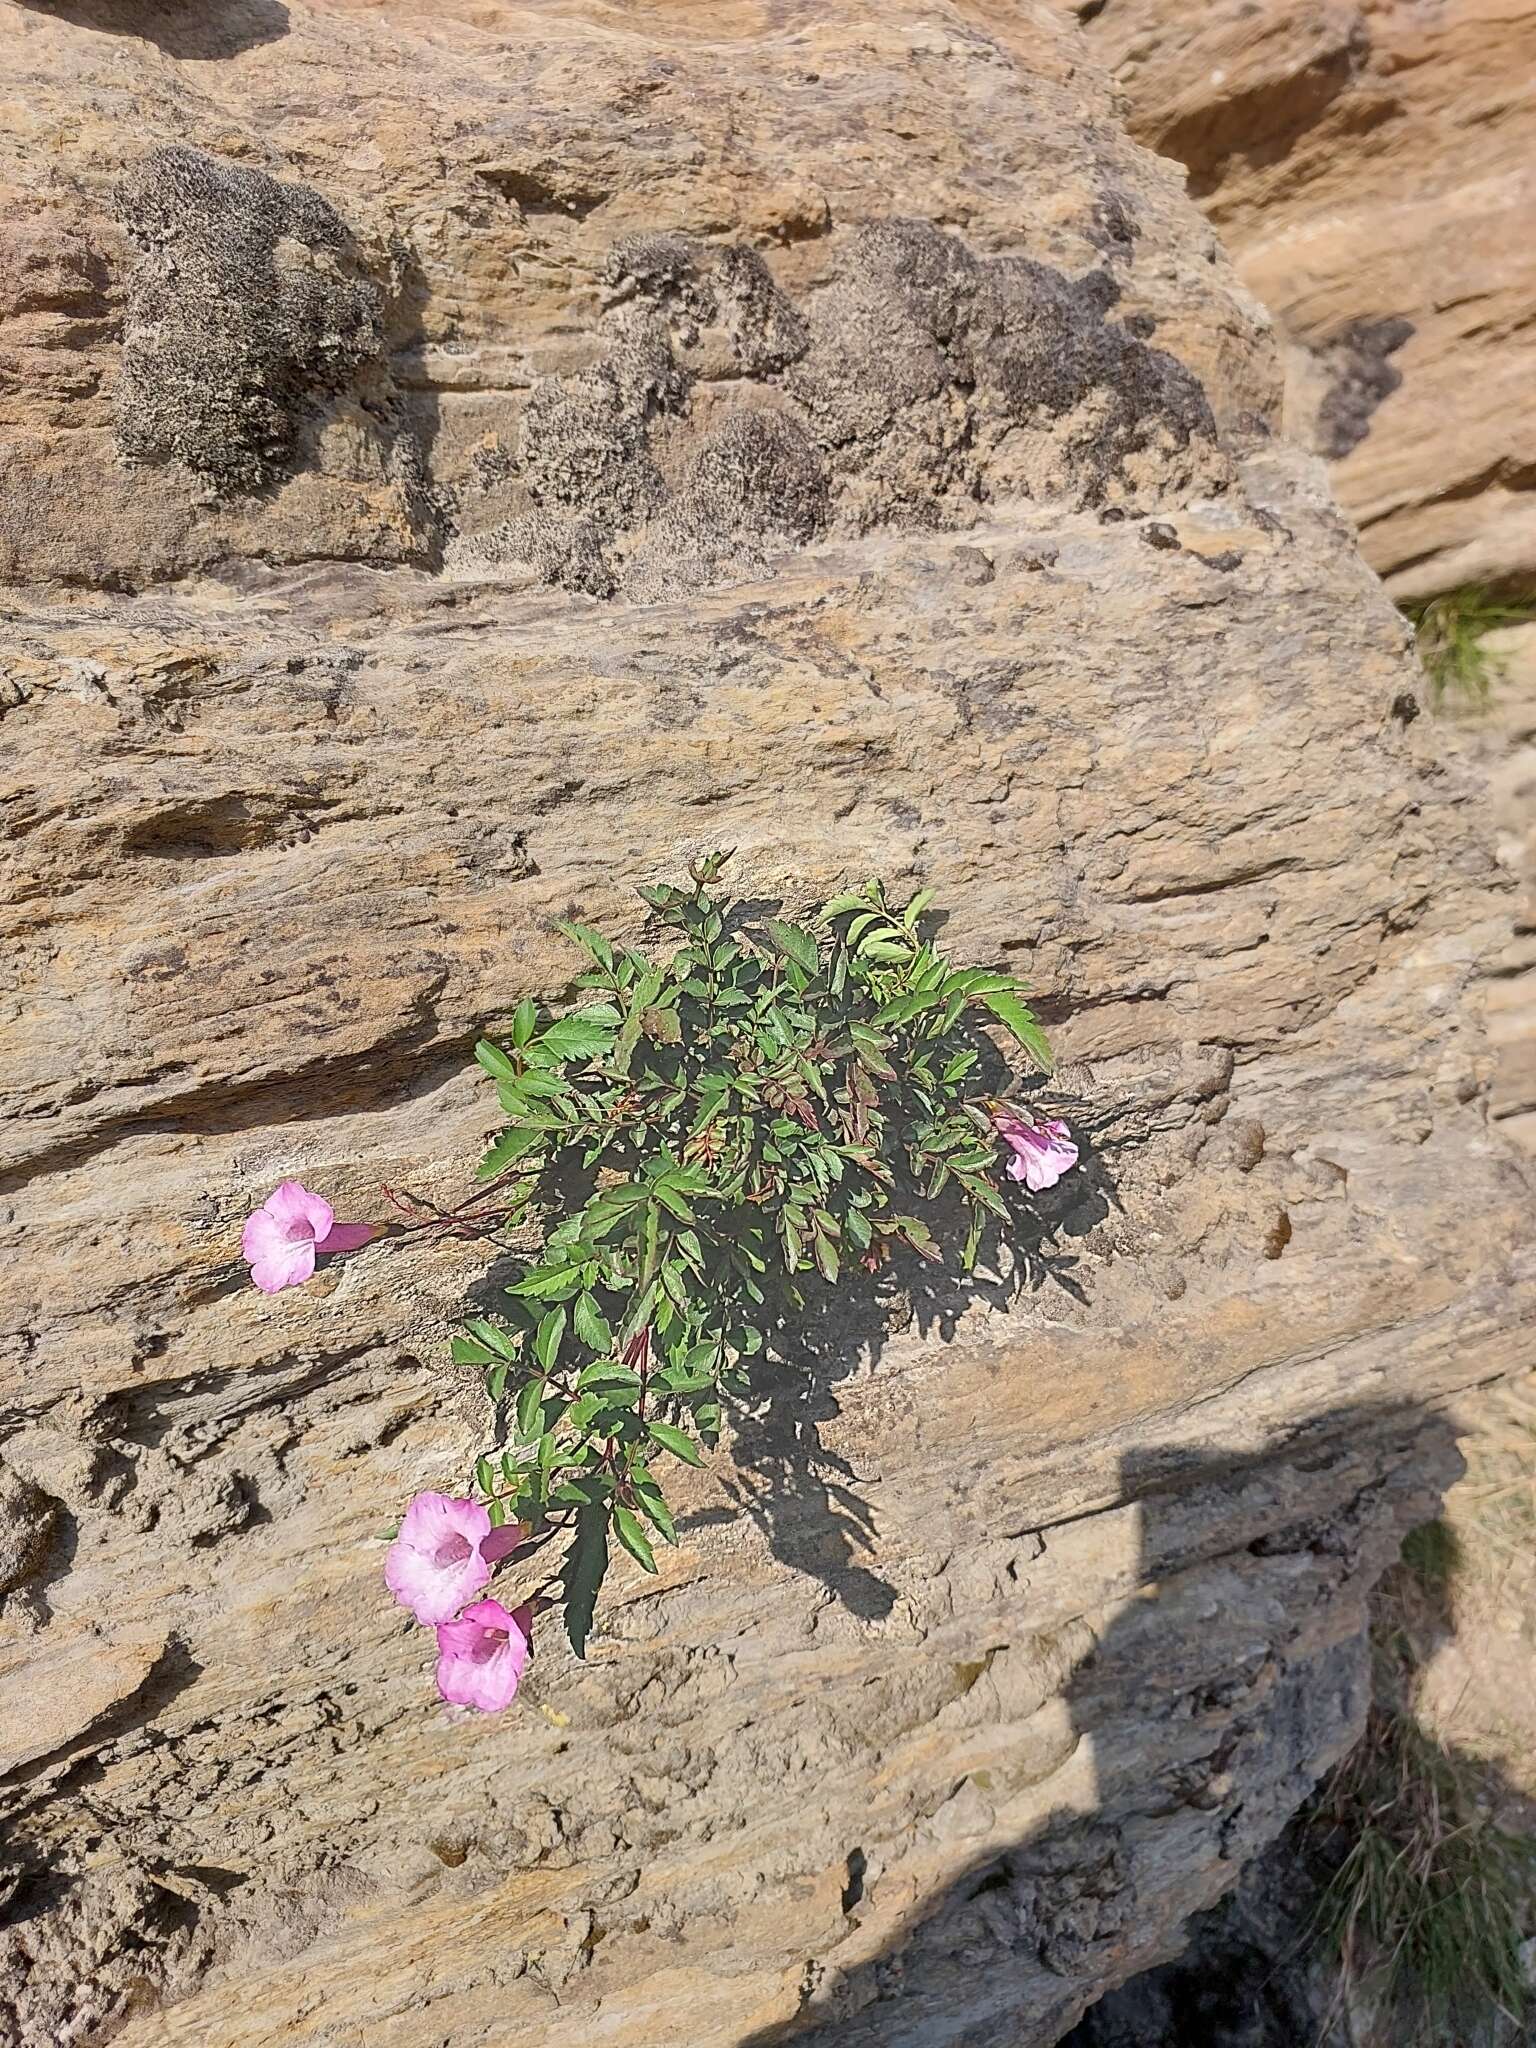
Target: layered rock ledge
point(463, 461)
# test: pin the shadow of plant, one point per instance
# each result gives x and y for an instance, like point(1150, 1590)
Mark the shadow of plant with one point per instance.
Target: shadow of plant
point(800, 1492)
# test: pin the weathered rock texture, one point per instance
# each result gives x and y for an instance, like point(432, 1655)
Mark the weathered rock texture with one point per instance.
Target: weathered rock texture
point(1371, 164)
point(808, 429)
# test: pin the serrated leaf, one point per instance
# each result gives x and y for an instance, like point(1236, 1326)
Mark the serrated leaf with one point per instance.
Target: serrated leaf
point(672, 1439)
point(916, 907)
point(465, 1351)
point(646, 990)
point(794, 944)
point(530, 1411)
point(577, 1037)
point(584, 936)
point(590, 1325)
point(632, 1536)
point(652, 1501)
point(508, 1149)
point(547, 1340)
point(493, 1337)
point(581, 1574)
point(495, 1061)
point(547, 1284)
point(1008, 1010)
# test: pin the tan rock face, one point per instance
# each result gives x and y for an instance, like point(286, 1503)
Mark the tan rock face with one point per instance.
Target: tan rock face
point(802, 429)
point(1373, 170)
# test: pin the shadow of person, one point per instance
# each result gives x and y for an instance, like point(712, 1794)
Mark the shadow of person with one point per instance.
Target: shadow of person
point(803, 1494)
point(1224, 1668)
point(200, 30)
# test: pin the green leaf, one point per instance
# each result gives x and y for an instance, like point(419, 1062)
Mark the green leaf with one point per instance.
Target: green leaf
point(535, 1085)
point(496, 1381)
point(493, 1337)
point(494, 1061)
point(577, 1037)
point(632, 1536)
point(652, 1502)
point(525, 1021)
point(643, 996)
point(850, 899)
point(548, 1283)
point(1008, 1010)
point(465, 1351)
point(485, 1475)
point(583, 935)
point(673, 1440)
point(794, 944)
point(546, 1343)
point(824, 1250)
point(582, 1573)
point(916, 907)
point(590, 1325)
point(530, 1411)
point(511, 1146)
point(669, 1198)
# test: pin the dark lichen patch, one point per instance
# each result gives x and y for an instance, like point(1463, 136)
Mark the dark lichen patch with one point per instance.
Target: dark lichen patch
point(919, 384)
point(247, 304)
point(584, 446)
point(565, 552)
point(1360, 376)
point(766, 331)
point(759, 475)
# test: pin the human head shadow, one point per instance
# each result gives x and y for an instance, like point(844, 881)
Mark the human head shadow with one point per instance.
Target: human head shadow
point(1203, 1748)
point(199, 30)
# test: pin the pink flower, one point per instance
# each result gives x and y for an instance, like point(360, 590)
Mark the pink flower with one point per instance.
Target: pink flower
point(480, 1657)
point(283, 1236)
point(439, 1558)
point(1041, 1153)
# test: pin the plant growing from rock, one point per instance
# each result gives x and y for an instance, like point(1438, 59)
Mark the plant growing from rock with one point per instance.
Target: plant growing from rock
point(712, 1137)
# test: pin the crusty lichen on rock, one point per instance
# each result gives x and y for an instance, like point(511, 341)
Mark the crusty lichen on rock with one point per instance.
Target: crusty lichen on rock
point(247, 304)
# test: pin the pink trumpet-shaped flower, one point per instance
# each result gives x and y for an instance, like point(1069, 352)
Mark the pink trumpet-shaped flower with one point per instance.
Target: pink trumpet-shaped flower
point(281, 1239)
point(480, 1657)
point(443, 1554)
point(1041, 1153)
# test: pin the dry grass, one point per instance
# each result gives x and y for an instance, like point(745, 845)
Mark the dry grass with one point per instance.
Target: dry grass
point(1431, 1900)
point(1430, 1892)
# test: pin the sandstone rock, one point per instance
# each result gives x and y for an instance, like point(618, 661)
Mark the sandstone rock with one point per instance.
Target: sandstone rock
point(710, 373)
point(1373, 170)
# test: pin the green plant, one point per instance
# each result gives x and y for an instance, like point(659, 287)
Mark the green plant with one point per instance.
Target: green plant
point(1429, 1901)
point(712, 1136)
point(1449, 631)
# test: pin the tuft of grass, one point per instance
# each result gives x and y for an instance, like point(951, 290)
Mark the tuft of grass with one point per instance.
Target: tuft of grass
point(1449, 631)
point(1429, 1900)
point(1433, 1554)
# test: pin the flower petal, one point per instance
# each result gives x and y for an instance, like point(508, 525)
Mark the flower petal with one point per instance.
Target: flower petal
point(262, 1236)
point(346, 1237)
point(481, 1656)
point(299, 1212)
point(499, 1543)
point(434, 1564)
point(283, 1265)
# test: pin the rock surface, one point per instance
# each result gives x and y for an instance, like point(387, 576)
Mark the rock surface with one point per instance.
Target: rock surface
point(1371, 165)
point(637, 437)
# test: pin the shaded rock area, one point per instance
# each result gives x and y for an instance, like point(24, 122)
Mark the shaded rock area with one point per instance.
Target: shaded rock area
point(825, 434)
point(1372, 169)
